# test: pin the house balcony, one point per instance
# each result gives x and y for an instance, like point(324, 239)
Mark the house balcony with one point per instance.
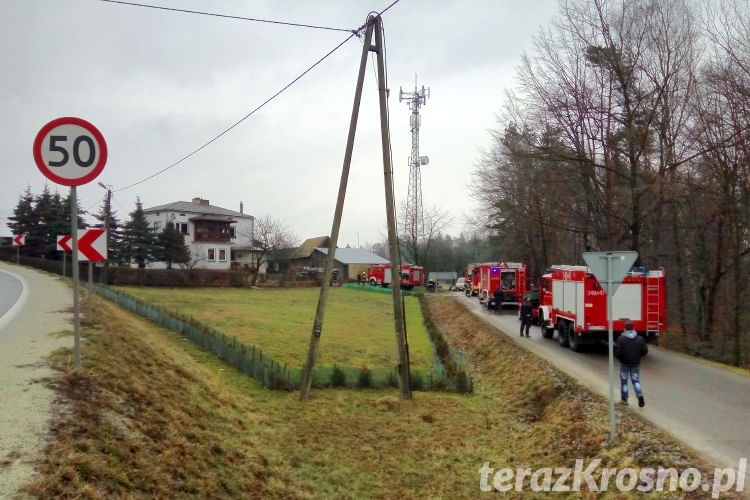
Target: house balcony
point(210, 229)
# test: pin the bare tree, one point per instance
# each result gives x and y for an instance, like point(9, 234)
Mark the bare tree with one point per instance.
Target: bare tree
point(416, 246)
point(270, 237)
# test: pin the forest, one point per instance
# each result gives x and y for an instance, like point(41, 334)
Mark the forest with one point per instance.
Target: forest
point(629, 129)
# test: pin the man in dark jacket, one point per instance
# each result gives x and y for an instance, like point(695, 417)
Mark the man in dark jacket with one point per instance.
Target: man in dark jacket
point(498, 296)
point(629, 349)
point(525, 316)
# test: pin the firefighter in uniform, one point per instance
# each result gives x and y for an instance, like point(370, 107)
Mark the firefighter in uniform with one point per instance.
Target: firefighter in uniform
point(526, 316)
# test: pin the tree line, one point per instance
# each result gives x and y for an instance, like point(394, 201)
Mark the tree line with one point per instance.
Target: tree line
point(45, 216)
point(629, 129)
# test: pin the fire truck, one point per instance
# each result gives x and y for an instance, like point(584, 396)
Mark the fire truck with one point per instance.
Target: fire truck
point(471, 275)
point(510, 277)
point(411, 275)
point(573, 302)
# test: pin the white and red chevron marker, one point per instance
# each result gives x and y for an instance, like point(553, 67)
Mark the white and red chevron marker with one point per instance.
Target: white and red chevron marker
point(62, 242)
point(92, 245)
point(19, 240)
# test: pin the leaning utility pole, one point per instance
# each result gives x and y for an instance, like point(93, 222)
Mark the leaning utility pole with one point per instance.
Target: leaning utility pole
point(373, 23)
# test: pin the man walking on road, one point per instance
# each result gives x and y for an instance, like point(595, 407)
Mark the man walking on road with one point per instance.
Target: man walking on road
point(629, 349)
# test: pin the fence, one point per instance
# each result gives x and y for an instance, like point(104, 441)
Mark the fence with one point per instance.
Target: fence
point(275, 375)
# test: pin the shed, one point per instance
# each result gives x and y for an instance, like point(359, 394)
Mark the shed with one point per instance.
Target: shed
point(349, 261)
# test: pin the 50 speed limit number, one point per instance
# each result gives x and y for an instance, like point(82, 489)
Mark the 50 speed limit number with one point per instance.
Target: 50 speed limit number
point(70, 151)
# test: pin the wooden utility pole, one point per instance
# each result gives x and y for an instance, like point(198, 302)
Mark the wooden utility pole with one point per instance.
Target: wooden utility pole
point(373, 23)
point(390, 208)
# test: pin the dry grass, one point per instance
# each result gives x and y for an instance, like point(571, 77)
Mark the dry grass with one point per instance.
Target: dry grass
point(357, 327)
point(151, 416)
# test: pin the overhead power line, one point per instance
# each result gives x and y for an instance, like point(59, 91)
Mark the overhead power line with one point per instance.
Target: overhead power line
point(227, 16)
point(240, 120)
point(248, 115)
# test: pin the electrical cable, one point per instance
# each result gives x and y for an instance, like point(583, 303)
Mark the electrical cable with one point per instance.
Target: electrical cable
point(227, 16)
point(248, 115)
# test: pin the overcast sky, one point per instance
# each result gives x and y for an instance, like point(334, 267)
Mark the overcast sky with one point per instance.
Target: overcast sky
point(160, 84)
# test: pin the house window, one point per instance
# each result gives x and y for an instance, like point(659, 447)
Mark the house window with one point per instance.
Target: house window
point(222, 255)
point(211, 254)
point(182, 227)
point(233, 232)
point(157, 224)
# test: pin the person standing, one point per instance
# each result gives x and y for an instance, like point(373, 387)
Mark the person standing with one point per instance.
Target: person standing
point(498, 297)
point(525, 314)
point(629, 349)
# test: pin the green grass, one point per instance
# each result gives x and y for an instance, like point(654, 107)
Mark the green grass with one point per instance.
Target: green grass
point(358, 327)
point(150, 415)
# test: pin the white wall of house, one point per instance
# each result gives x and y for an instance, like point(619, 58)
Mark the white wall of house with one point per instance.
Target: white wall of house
point(206, 255)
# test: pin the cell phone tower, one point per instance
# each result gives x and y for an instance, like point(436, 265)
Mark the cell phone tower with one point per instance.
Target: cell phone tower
point(414, 210)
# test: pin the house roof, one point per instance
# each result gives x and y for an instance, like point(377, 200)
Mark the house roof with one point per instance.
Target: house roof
point(196, 208)
point(309, 245)
point(355, 256)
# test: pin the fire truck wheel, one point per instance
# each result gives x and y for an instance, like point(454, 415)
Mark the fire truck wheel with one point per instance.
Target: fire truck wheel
point(372, 282)
point(573, 340)
point(562, 333)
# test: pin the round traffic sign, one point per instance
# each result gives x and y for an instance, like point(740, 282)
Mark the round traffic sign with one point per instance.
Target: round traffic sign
point(70, 151)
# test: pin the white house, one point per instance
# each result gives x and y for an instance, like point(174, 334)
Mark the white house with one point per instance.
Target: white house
point(212, 233)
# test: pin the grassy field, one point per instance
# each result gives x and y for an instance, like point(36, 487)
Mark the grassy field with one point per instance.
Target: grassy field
point(357, 327)
point(149, 415)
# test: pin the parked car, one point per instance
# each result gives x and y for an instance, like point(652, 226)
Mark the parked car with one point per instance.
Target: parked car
point(460, 283)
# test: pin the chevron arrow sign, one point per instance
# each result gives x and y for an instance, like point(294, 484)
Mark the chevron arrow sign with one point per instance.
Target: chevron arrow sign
point(92, 245)
point(62, 242)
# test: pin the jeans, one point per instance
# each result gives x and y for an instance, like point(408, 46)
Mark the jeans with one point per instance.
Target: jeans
point(634, 372)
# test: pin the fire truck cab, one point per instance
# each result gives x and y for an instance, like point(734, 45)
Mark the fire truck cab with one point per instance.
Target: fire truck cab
point(471, 287)
point(573, 302)
point(509, 277)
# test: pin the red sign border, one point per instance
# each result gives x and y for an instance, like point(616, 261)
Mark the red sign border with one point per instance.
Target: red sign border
point(70, 120)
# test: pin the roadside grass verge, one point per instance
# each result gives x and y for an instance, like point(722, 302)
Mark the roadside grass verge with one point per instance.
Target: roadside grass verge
point(150, 415)
point(357, 327)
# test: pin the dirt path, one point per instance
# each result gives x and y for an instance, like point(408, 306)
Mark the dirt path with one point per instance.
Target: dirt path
point(701, 404)
point(25, 401)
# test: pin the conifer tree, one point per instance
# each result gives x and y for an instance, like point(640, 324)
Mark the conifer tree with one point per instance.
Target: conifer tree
point(138, 238)
point(109, 221)
point(22, 221)
point(171, 246)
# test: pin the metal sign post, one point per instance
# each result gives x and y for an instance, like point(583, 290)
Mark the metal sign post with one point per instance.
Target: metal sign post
point(610, 268)
point(74, 266)
point(71, 151)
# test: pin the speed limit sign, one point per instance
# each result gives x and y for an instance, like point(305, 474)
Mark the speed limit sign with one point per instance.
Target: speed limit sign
point(70, 151)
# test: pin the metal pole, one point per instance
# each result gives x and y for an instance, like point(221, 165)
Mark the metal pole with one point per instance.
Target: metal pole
point(398, 310)
point(18, 255)
point(312, 352)
point(64, 259)
point(91, 294)
point(74, 264)
point(610, 336)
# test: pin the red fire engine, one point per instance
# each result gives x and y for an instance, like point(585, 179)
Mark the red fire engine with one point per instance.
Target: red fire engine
point(510, 277)
point(573, 302)
point(411, 275)
point(471, 287)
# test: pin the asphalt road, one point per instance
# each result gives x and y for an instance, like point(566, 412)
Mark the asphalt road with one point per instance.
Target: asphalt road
point(11, 289)
point(702, 404)
point(33, 306)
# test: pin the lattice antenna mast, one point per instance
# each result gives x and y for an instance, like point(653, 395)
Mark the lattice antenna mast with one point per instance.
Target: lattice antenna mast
point(414, 210)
